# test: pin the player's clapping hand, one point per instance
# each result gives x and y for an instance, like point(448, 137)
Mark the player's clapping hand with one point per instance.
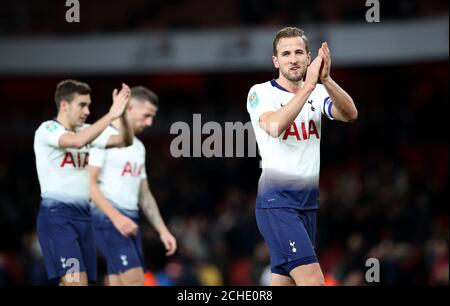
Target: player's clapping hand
point(120, 100)
point(324, 51)
point(125, 225)
point(169, 242)
point(312, 74)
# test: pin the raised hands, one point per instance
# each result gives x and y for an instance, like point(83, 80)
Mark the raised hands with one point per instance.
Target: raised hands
point(312, 74)
point(120, 101)
point(324, 51)
point(320, 67)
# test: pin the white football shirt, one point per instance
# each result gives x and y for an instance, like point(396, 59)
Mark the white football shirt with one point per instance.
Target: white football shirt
point(291, 162)
point(62, 172)
point(121, 172)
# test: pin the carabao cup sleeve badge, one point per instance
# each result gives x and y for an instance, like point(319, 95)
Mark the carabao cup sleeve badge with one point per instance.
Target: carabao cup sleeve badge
point(253, 100)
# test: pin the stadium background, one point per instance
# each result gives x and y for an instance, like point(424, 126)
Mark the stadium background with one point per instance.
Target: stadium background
point(383, 178)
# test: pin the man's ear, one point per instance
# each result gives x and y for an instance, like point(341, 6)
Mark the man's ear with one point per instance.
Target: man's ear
point(275, 62)
point(63, 105)
point(309, 58)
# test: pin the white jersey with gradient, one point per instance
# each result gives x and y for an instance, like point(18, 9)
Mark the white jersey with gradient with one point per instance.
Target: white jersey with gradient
point(121, 172)
point(291, 162)
point(62, 172)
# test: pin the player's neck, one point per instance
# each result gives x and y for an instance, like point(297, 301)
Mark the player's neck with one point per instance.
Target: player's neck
point(289, 85)
point(65, 122)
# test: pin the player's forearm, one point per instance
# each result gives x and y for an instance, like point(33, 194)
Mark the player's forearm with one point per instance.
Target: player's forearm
point(150, 209)
point(126, 131)
point(86, 136)
point(277, 122)
point(125, 136)
point(341, 100)
point(101, 202)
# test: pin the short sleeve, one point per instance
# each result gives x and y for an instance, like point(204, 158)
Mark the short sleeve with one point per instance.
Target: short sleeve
point(258, 103)
point(143, 172)
point(97, 157)
point(97, 152)
point(326, 104)
point(50, 132)
point(102, 139)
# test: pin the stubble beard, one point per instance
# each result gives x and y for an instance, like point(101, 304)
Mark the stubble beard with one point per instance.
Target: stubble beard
point(296, 78)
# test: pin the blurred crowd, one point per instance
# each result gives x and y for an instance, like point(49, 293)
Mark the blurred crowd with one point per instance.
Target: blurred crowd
point(23, 17)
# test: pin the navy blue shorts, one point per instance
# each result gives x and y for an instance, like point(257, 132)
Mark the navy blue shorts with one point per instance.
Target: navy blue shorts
point(290, 235)
point(66, 239)
point(121, 253)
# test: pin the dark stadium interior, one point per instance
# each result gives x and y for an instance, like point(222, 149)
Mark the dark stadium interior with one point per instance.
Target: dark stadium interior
point(384, 178)
point(47, 16)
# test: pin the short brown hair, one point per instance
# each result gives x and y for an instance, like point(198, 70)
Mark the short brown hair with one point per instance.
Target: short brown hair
point(142, 94)
point(67, 89)
point(287, 33)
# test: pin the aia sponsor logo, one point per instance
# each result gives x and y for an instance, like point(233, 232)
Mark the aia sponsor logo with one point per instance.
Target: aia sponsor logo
point(132, 169)
point(304, 133)
point(76, 160)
